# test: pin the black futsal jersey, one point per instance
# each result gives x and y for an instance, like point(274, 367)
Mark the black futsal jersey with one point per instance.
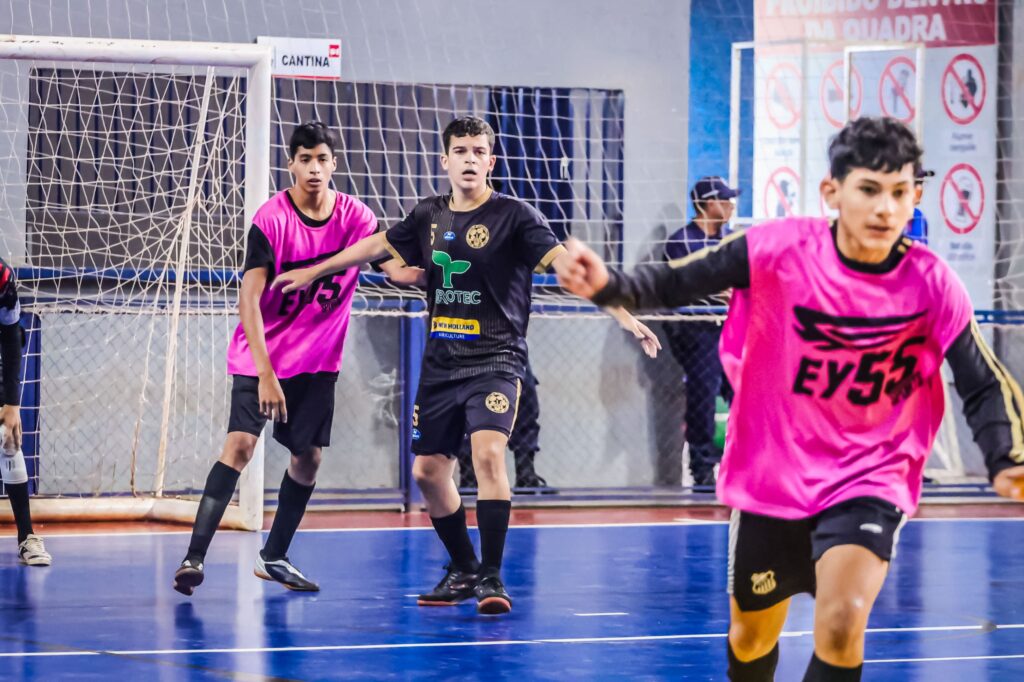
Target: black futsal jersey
point(479, 266)
point(11, 337)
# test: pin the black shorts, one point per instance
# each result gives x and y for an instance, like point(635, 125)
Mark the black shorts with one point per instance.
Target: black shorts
point(772, 559)
point(447, 410)
point(309, 399)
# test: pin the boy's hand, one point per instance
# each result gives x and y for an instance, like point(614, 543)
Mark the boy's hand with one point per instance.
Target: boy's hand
point(294, 279)
point(586, 273)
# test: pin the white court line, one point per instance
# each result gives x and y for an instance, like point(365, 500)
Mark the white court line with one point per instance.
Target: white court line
point(944, 658)
point(988, 627)
point(607, 613)
point(644, 524)
point(362, 530)
point(681, 523)
point(444, 645)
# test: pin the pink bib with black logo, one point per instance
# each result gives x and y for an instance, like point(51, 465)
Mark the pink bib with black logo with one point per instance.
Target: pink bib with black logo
point(305, 330)
point(836, 371)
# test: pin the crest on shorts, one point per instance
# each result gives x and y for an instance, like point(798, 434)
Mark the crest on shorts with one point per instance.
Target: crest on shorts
point(478, 236)
point(763, 582)
point(497, 403)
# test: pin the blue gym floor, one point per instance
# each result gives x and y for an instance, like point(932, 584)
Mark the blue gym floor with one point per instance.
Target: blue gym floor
point(636, 602)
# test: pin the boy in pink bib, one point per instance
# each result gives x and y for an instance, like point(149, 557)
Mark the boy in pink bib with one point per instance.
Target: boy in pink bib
point(833, 344)
point(285, 355)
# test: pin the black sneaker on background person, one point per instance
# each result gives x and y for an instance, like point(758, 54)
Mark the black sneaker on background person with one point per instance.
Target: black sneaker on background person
point(491, 597)
point(456, 586)
point(189, 576)
point(532, 485)
point(704, 481)
point(528, 481)
point(282, 571)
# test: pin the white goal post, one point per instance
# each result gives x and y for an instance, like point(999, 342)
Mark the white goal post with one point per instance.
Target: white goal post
point(131, 170)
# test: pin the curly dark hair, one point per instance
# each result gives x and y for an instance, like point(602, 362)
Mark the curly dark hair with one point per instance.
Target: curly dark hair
point(878, 144)
point(467, 126)
point(309, 135)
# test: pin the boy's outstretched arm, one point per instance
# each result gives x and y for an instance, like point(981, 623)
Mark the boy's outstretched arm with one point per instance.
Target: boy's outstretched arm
point(662, 285)
point(363, 251)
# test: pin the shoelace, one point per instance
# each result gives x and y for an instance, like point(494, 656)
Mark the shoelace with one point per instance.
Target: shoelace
point(449, 576)
point(34, 546)
point(491, 582)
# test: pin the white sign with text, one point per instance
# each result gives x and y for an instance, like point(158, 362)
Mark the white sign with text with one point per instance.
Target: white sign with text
point(315, 58)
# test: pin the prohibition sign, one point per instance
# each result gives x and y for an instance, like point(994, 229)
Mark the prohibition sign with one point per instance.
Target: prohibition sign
point(898, 82)
point(832, 93)
point(782, 99)
point(962, 198)
point(780, 193)
point(963, 88)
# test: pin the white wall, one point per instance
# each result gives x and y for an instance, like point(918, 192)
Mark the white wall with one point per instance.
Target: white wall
point(641, 47)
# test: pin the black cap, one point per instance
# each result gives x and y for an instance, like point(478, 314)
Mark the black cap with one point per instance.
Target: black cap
point(712, 187)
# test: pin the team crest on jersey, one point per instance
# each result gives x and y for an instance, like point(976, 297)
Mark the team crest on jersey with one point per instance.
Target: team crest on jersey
point(763, 583)
point(478, 236)
point(859, 359)
point(834, 332)
point(326, 292)
point(497, 403)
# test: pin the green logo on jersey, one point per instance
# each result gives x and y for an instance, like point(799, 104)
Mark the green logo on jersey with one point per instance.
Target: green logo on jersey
point(449, 267)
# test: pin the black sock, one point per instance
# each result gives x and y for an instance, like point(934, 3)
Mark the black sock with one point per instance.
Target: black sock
point(492, 520)
point(17, 493)
point(820, 671)
point(220, 486)
point(455, 536)
point(758, 670)
point(291, 507)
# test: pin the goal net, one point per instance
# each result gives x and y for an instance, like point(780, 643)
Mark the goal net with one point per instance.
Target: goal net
point(813, 66)
point(95, 225)
point(130, 172)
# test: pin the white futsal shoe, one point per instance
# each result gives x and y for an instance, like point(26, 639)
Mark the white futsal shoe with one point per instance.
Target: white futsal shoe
point(32, 552)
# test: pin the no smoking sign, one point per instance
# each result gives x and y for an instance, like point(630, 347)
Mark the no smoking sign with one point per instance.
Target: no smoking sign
point(782, 96)
point(832, 93)
point(897, 88)
point(963, 89)
point(781, 193)
point(962, 198)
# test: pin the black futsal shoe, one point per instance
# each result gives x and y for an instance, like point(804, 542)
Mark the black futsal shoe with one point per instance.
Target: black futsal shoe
point(491, 597)
point(529, 483)
point(456, 586)
point(189, 576)
point(704, 481)
point(282, 571)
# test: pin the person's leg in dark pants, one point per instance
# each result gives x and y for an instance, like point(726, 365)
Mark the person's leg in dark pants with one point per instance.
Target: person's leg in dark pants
point(699, 355)
point(525, 439)
point(467, 475)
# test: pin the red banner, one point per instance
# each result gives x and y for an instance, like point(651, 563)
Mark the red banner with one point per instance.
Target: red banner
point(935, 23)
